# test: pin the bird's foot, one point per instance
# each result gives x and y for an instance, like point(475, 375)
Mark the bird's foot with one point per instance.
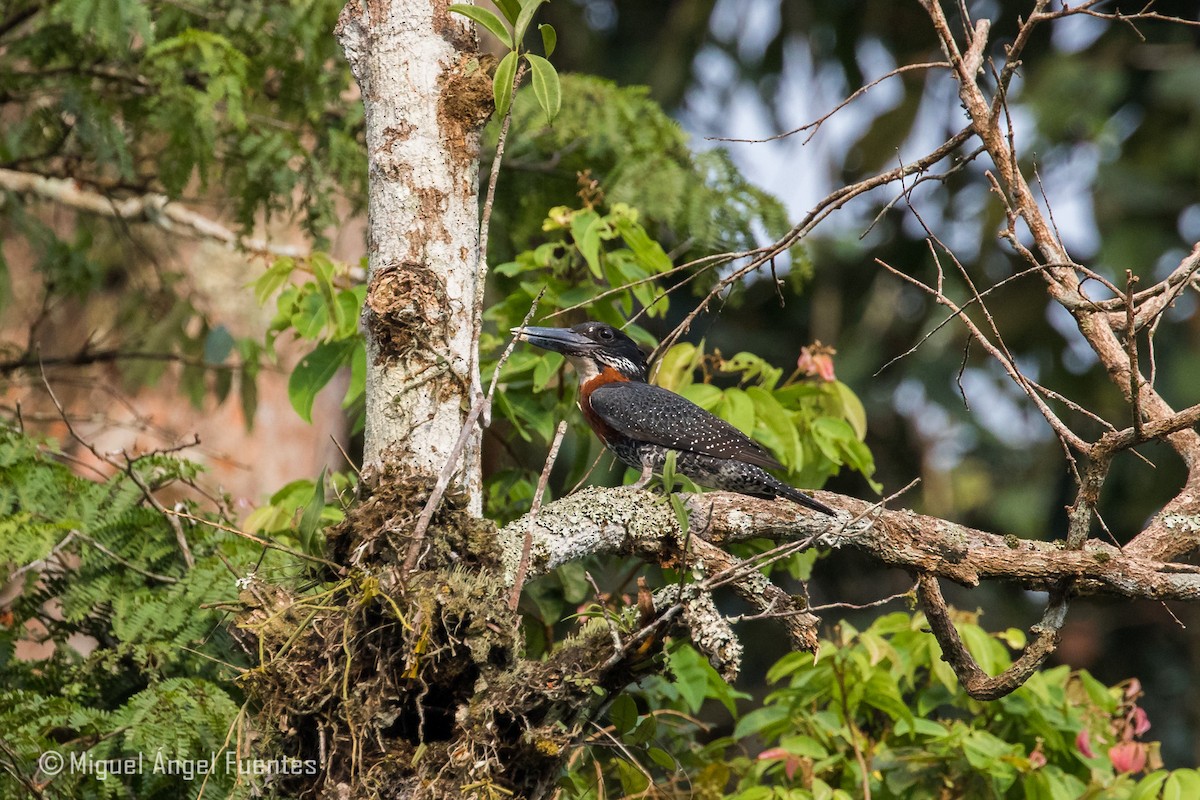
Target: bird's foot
point(643, 481)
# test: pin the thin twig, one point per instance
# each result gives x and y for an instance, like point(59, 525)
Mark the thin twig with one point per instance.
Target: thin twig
point(523, 565)
point(337, 568)
point(479, 407)
point(485, 221)
point(1135, 388)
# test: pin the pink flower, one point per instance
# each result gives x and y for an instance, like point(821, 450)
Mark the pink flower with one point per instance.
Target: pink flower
point(1139, 721)
point(816, 361)
point(1128, 756)
point(790, 762)
point(1037, 759)
point(1083, 743)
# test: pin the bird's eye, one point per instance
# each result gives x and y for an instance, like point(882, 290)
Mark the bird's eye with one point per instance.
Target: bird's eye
point(606, 333)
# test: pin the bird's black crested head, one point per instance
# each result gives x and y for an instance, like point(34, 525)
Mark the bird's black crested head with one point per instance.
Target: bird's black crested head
point(591, 346)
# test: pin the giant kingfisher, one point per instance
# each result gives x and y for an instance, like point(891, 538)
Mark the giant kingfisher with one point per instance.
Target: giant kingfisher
point(641, 423)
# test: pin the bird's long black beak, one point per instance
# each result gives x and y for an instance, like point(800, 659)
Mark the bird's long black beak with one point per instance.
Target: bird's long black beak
point(560, 340)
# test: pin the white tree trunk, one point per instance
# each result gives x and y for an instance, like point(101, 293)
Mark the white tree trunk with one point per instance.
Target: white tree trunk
point(420, 84)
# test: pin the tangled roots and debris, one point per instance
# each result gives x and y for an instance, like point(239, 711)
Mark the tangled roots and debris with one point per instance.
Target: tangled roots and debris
point(413, 686)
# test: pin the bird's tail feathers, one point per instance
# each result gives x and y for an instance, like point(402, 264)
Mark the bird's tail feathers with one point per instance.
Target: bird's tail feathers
point(797, 496)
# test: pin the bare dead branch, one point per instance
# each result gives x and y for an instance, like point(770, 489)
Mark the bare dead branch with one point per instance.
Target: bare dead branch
point(154, 209)
point(814, 126)
point(974, 680)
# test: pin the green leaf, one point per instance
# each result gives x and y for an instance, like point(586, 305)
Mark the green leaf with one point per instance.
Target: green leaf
point(546, 86)
point(675, 367)
point(528, 9)
point(852, 409)
point(760, 719)
point(682, 518)
point(310, 520)
point(313, 372)
point(623, 713)
point(358, 374)
point(502, 83)
point(248, 392)
point(274, 278)
point(737, 409)
point(662, 758)
point(1149, 786)
point(774, 428)
point(1182, 785)
point(646, 730)
point(218, 344)
point(549, 39)
point(547, 367)
point(704, 395)
point(668, 470)
point(691, 675)
point(487, 19)
point(511, 9)
point(585, 230)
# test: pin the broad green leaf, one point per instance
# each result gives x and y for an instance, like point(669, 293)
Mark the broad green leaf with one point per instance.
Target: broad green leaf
point(984, 750)
point(662, 758)
point(774, 428)
point(351, 301)
point(988, 652)
point(704, 395)
point(274, 278)
point(573, 579)
point(502, 83)
point(738, 409)
point(310, 315)
point(788, 665)
point(691, 675)
point(883, 693)
point(248, 393)
point(585, 230)
point(549, 39)
point(511, 9)
point(1182, 784)
point(528, 9)
point(546, 368)
point(832, 436)
point(1013, 637)
point(675, 367)
point(218, 344)
point(760, 719)
point(645, 731)
point(922, 727)
point(358, 374)
point(852, 409)
point(1149, 786)
point(623, 714)
point(487, 19)
point(803, 746)
point(313, 372)
point(648, 252)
